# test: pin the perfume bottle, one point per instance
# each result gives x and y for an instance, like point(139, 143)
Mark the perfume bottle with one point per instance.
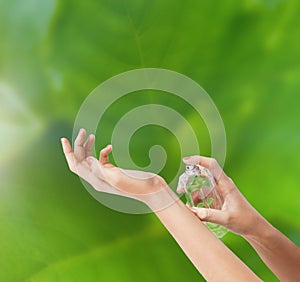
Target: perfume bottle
point(198, 185)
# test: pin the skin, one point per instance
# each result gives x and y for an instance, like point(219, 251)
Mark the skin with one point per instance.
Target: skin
point(280, 254)
point(205, 251)
point(105, 177)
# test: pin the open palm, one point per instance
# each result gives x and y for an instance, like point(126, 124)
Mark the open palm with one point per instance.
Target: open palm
point(104, 176)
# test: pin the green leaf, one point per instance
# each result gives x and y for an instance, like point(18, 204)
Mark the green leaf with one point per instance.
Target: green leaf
point(209, 201)
point(189, 199)
point(53, 53)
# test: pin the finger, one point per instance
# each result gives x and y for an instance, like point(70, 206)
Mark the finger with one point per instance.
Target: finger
point(224, 184)
point(181, 184)
point(192, 160)
point(89, 145)
point(180, 190)
point(79, 151)
point(209, 163)
point(103, 158)
point(66, 145)
point(204, 161)
point(67, 149)
point(211, 215)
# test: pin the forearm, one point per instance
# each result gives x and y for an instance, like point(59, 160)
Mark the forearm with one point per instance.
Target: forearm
point(280, 254)
point(209, 255)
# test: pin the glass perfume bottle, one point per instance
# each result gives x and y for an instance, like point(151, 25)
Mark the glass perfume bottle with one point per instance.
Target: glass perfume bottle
point(199, 188)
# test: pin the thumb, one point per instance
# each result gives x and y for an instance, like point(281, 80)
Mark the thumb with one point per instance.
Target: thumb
point(211, 215)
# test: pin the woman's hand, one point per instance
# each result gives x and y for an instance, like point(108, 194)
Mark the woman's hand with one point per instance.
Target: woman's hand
point(280, 254)
point(104, 176)
point(236, 213)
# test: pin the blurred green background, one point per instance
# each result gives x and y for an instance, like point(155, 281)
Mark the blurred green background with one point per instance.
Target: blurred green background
point(53, 53)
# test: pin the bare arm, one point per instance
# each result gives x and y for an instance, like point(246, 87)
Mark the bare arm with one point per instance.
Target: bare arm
point(280, 254)
point(209, 255)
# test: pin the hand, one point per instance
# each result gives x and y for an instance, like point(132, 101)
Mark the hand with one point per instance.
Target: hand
point(236, 213)
point(104, 176)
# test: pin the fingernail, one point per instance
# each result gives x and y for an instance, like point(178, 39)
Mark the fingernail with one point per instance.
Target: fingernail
point(90, 160)
point(186, 158)
point(202, 213)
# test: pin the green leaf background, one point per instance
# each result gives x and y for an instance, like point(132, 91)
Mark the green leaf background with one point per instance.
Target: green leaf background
point(53, 53)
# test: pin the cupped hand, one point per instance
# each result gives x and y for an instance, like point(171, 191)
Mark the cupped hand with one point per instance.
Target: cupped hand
point(104, 176)
point(236, 213)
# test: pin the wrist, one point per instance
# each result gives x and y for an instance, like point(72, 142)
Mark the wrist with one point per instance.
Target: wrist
point(160, 199)
point(260, 232)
